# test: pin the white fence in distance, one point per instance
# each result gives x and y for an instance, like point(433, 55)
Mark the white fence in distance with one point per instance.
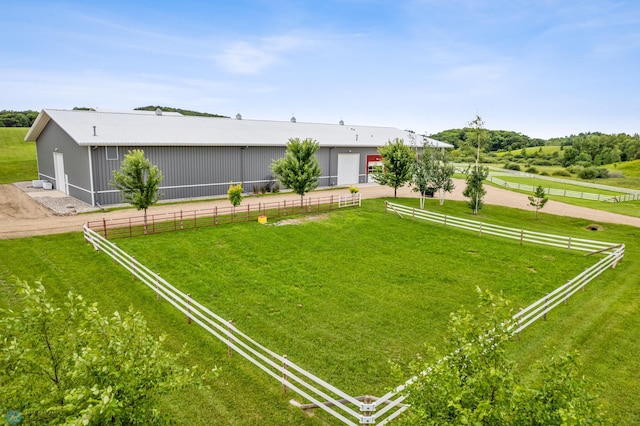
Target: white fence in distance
point(566, 192)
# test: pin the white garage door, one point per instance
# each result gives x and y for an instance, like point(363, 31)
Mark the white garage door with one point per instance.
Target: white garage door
point(348, 168)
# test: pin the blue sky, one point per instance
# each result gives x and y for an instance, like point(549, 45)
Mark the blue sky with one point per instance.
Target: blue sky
point(544, 68)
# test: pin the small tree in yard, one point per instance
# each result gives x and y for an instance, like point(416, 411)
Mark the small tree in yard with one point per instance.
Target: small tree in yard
point(477, 384)
point(299, 168)
point(538, 199)
point(397, 160)
point(71, 365)
point(138, 180)
point(235, 194)
point(442, 173)
point(475, 190)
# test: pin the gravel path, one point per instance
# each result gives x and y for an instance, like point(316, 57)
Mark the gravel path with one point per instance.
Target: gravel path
point(22, 212)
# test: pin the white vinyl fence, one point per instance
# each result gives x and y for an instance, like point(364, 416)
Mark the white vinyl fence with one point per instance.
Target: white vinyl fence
point(321, 394)
point(613, 254)
point(566, 192)
point(359, 409)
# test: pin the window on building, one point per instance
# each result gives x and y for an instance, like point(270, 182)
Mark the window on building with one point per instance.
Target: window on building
point(112, 153)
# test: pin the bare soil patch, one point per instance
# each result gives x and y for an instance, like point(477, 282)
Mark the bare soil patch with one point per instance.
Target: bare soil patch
point(15, 204)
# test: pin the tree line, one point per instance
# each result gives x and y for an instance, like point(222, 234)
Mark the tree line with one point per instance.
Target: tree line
point(17, 118)
point(597, 149)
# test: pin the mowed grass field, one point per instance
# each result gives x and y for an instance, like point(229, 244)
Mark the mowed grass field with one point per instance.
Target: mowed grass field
point(344, 295)
point(17, 157)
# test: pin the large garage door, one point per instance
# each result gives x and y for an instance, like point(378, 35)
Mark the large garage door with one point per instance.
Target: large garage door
point(348, 168)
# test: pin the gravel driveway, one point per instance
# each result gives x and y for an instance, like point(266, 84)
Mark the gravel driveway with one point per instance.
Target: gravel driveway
point(24, 215)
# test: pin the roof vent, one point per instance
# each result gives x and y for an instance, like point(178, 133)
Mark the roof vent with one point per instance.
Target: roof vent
point(341, 122)
point(293, 119)
point(158, 111)
point(238, 116)
point(94, 131)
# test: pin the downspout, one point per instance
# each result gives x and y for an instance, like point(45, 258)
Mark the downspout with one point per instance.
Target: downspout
point(93, 194)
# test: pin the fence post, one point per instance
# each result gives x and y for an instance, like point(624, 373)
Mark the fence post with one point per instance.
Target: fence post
point(215, 215)
point(331, 204)
point(188, 308)
point(104, 227)
point(520, 311)
point(248, 212)
point(181, 222)
point(229, 350)
point(546, 306)
point(284, 374)
point(285, 207)
point(130, 230)
point(566, 293)
point(386, 204)
point(521, 236)
point(481, 229)
point(569, 244)
point(445, 220)
point(133, 266)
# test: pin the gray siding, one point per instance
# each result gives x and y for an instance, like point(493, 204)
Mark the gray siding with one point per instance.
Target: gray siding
point(198, 171)
point(76, 167)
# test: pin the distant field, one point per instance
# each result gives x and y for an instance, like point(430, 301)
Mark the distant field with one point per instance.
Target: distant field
point(343, 295)
point(547, 149)
point(17, 157)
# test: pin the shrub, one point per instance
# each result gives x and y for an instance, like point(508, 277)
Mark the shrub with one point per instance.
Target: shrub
point(235, 194)
point(615, 174)
point(512, 166)
point(593, 173)
point(544, 174)
point(275, 187)
point(353, 189)
point(562, 173)
point(541, 162)
point(575, 169)
point(532, 170)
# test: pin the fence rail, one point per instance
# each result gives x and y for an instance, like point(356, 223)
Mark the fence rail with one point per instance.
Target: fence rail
point(360, 409)
point(539, 309)
point(567, 192)
point(189, 219)
point(322, 394)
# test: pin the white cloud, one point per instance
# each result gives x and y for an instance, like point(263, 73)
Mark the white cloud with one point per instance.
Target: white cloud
point(243, 57)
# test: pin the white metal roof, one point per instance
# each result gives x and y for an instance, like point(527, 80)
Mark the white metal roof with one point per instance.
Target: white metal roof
point(148, 129)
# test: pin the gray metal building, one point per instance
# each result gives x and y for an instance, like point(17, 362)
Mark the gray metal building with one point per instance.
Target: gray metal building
point(199, 156)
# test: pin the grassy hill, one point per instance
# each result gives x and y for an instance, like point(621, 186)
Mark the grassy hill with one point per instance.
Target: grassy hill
point(17, 157)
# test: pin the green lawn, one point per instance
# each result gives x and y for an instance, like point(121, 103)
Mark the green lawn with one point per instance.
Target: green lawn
point(17, 157)
point(343, 296)
point(547, 149)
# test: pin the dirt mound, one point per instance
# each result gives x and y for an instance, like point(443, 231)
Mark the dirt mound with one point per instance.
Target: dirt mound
point(15, 204)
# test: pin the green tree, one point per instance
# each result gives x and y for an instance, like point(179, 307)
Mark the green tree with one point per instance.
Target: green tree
point(71, 365)
point(475, 189)
point(538, 199)
point(397, 161)
point(234, 194)
point(138, 180)
point(431, 174)
point(422, 176)
point(477, 383)
point(299, 168)
point(442, 173)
